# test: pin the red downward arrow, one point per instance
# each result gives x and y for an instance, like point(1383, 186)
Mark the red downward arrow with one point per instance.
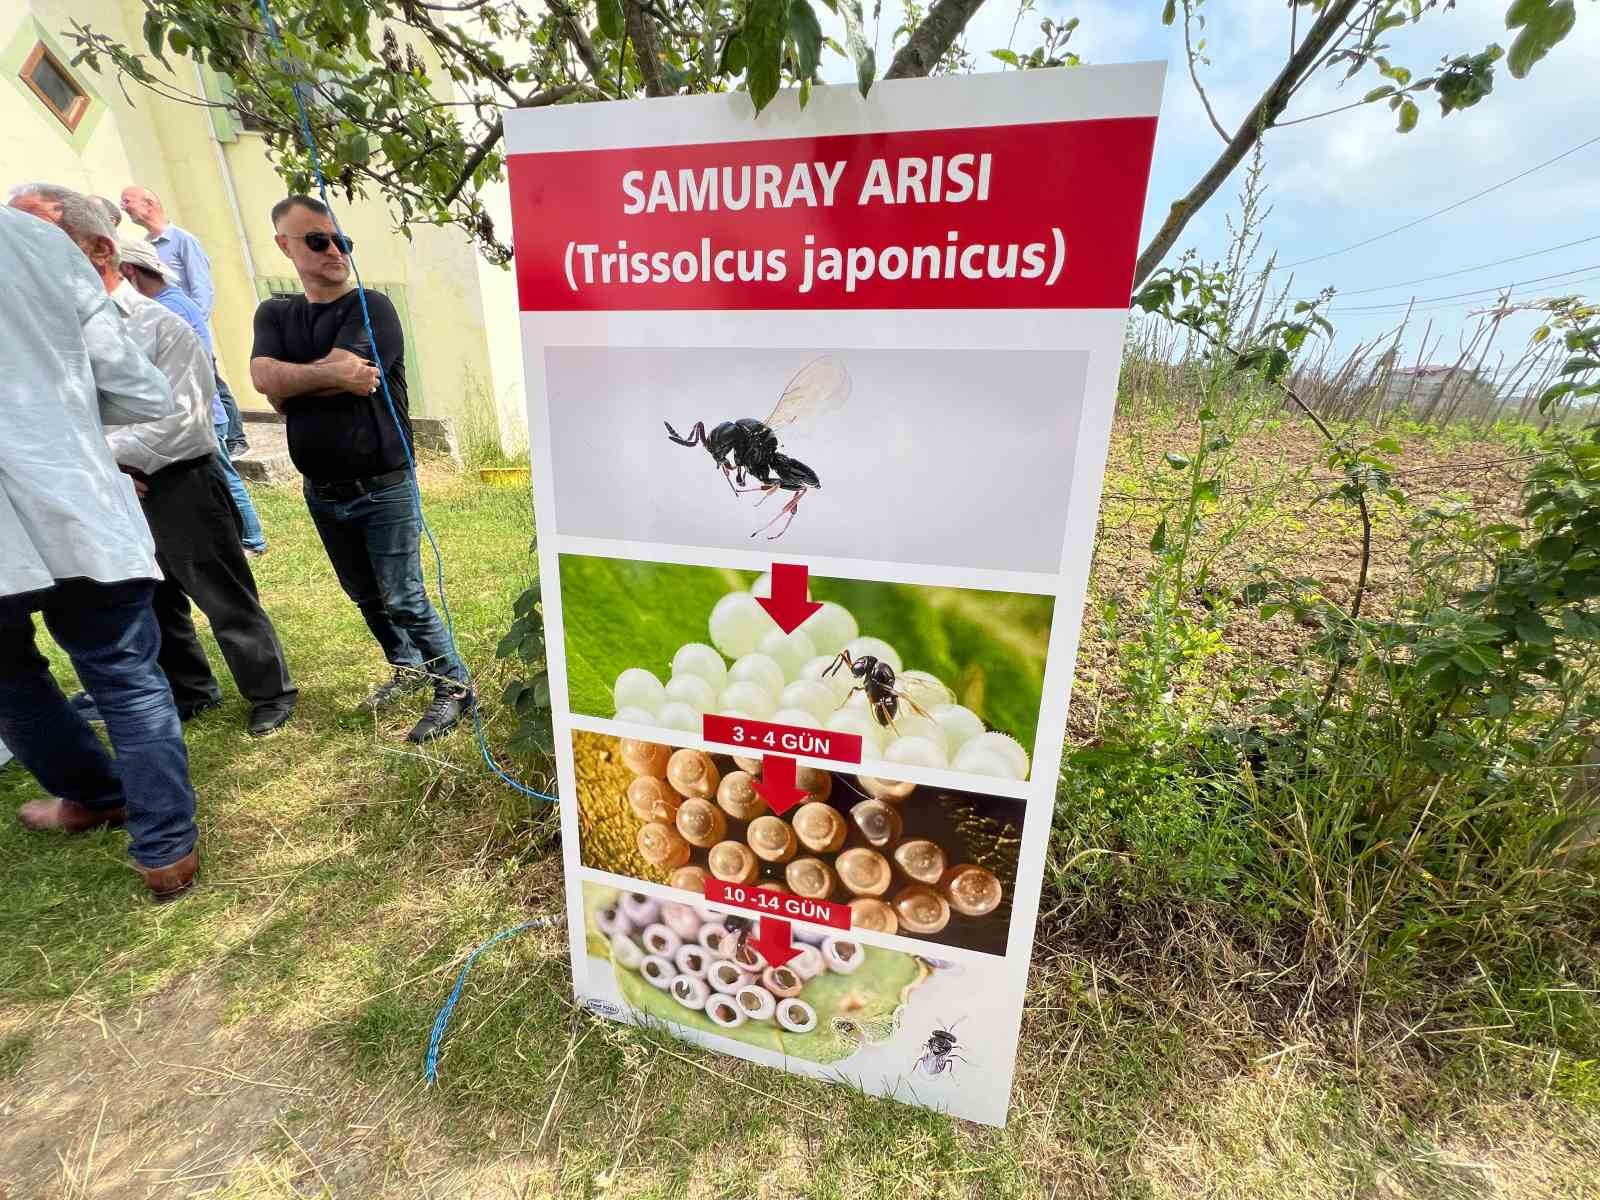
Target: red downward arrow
point(777, 785)
point(772, 940)
point(788, 605)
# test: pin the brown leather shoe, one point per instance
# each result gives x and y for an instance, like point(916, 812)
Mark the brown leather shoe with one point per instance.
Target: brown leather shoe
point(68, 816)
point(169, 882)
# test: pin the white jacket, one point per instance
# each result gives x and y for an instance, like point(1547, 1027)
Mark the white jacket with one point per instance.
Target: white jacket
point(67, 368)
point(172, 346)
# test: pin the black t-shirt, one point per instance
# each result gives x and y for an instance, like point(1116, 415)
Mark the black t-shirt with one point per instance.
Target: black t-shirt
point(345, 436)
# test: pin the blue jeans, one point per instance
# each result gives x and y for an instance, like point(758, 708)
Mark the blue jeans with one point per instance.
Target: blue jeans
point(373, 542)
point(230, 408)
point(252, 535)
point(110, 633)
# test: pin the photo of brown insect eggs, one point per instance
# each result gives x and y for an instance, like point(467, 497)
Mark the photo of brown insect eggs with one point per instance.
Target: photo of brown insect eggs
point(907, 860)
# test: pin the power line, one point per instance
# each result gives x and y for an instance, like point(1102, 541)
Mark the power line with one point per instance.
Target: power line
point(1499, 262)
point(1440, 212)
point(1473, 292)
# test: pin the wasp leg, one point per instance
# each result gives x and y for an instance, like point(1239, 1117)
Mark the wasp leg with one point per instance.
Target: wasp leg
point(842, 659)
point(919, 709)
point(727, 473)
point(858, 688)
point(788, 510)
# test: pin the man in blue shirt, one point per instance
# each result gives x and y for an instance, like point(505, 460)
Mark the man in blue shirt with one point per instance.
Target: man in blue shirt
point(155, 281)
point(182, 252)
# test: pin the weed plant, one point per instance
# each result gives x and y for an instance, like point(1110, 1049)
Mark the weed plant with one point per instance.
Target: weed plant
point(1405, 817)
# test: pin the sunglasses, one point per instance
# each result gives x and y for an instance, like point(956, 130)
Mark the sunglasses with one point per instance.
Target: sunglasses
point(319, 242)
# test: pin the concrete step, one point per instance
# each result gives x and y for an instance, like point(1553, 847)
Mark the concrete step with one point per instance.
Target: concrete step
point(267, 460)
point(272, 468)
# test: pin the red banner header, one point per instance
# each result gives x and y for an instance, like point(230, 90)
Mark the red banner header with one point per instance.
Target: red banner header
point(764, 737)
point(1010, 216)
point(778, 904)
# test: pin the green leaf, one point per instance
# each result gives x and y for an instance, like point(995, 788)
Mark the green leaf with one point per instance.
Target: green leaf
point(806, 34)
point(1543, 24)
point(513, 692)
point(1170, 12)
point(1177, 461)
point(1158, 540)
point(1378, 93)
point(155, 34)
point(609, 15)
point(763, 38)
point(1208, 490)
point(734, 57)
point(1533, 630)
point(1408, 116)
point(1009, 57)
point(860, 48)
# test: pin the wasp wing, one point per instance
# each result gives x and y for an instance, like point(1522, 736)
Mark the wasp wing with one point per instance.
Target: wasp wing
point(821, 386)
point(868, 1031)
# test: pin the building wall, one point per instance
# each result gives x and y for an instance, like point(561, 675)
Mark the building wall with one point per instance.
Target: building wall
point(172, 148)
point(113, 134)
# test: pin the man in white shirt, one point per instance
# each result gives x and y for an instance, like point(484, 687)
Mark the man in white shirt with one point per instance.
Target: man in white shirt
point(74, 547)
point(184, 494)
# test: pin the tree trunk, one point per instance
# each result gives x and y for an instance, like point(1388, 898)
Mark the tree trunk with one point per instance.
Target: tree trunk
point(928, 42)
point(1329, 27)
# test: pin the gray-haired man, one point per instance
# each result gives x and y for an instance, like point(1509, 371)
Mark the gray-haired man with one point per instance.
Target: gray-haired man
point(184, 495)
point(74, 547)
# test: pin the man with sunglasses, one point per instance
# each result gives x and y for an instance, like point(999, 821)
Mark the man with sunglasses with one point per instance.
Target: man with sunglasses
point(316, 364)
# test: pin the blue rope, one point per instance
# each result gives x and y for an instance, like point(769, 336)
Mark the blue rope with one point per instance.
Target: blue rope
point(394, 415)
point(442, 1021)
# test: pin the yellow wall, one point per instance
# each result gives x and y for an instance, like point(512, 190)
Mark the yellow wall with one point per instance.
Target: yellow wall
point(170, 148)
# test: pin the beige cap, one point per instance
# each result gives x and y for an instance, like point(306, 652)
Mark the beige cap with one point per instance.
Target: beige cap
point(142, 254)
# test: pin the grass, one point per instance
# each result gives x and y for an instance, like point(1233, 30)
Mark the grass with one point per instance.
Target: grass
point(265, 1037)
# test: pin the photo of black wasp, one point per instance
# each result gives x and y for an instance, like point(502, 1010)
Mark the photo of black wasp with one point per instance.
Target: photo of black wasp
point(941, 1051)
point(877, 681)
point(747, 450)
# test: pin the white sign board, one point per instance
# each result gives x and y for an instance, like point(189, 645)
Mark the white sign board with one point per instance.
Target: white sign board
point(819, 405)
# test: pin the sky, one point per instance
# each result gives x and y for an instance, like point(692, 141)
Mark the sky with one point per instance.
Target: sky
point(1343, 178)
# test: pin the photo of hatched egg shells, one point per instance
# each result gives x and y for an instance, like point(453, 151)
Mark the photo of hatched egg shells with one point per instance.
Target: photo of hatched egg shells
point(929, 863)
point(684, 965)
point(948, 678)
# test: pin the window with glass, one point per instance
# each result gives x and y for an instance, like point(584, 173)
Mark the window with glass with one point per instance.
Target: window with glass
point(48, 78)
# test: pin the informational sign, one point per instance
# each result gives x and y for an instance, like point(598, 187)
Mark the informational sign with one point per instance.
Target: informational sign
point(819, 405)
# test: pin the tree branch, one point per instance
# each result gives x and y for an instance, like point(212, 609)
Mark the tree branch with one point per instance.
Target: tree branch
point(1194, 73)
point(646, 47)
point(579, 39)
point(1329, 26)
point(481, 151)
point(928, 42)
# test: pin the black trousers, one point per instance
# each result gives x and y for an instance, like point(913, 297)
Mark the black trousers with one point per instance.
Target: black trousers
point(196, 530)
